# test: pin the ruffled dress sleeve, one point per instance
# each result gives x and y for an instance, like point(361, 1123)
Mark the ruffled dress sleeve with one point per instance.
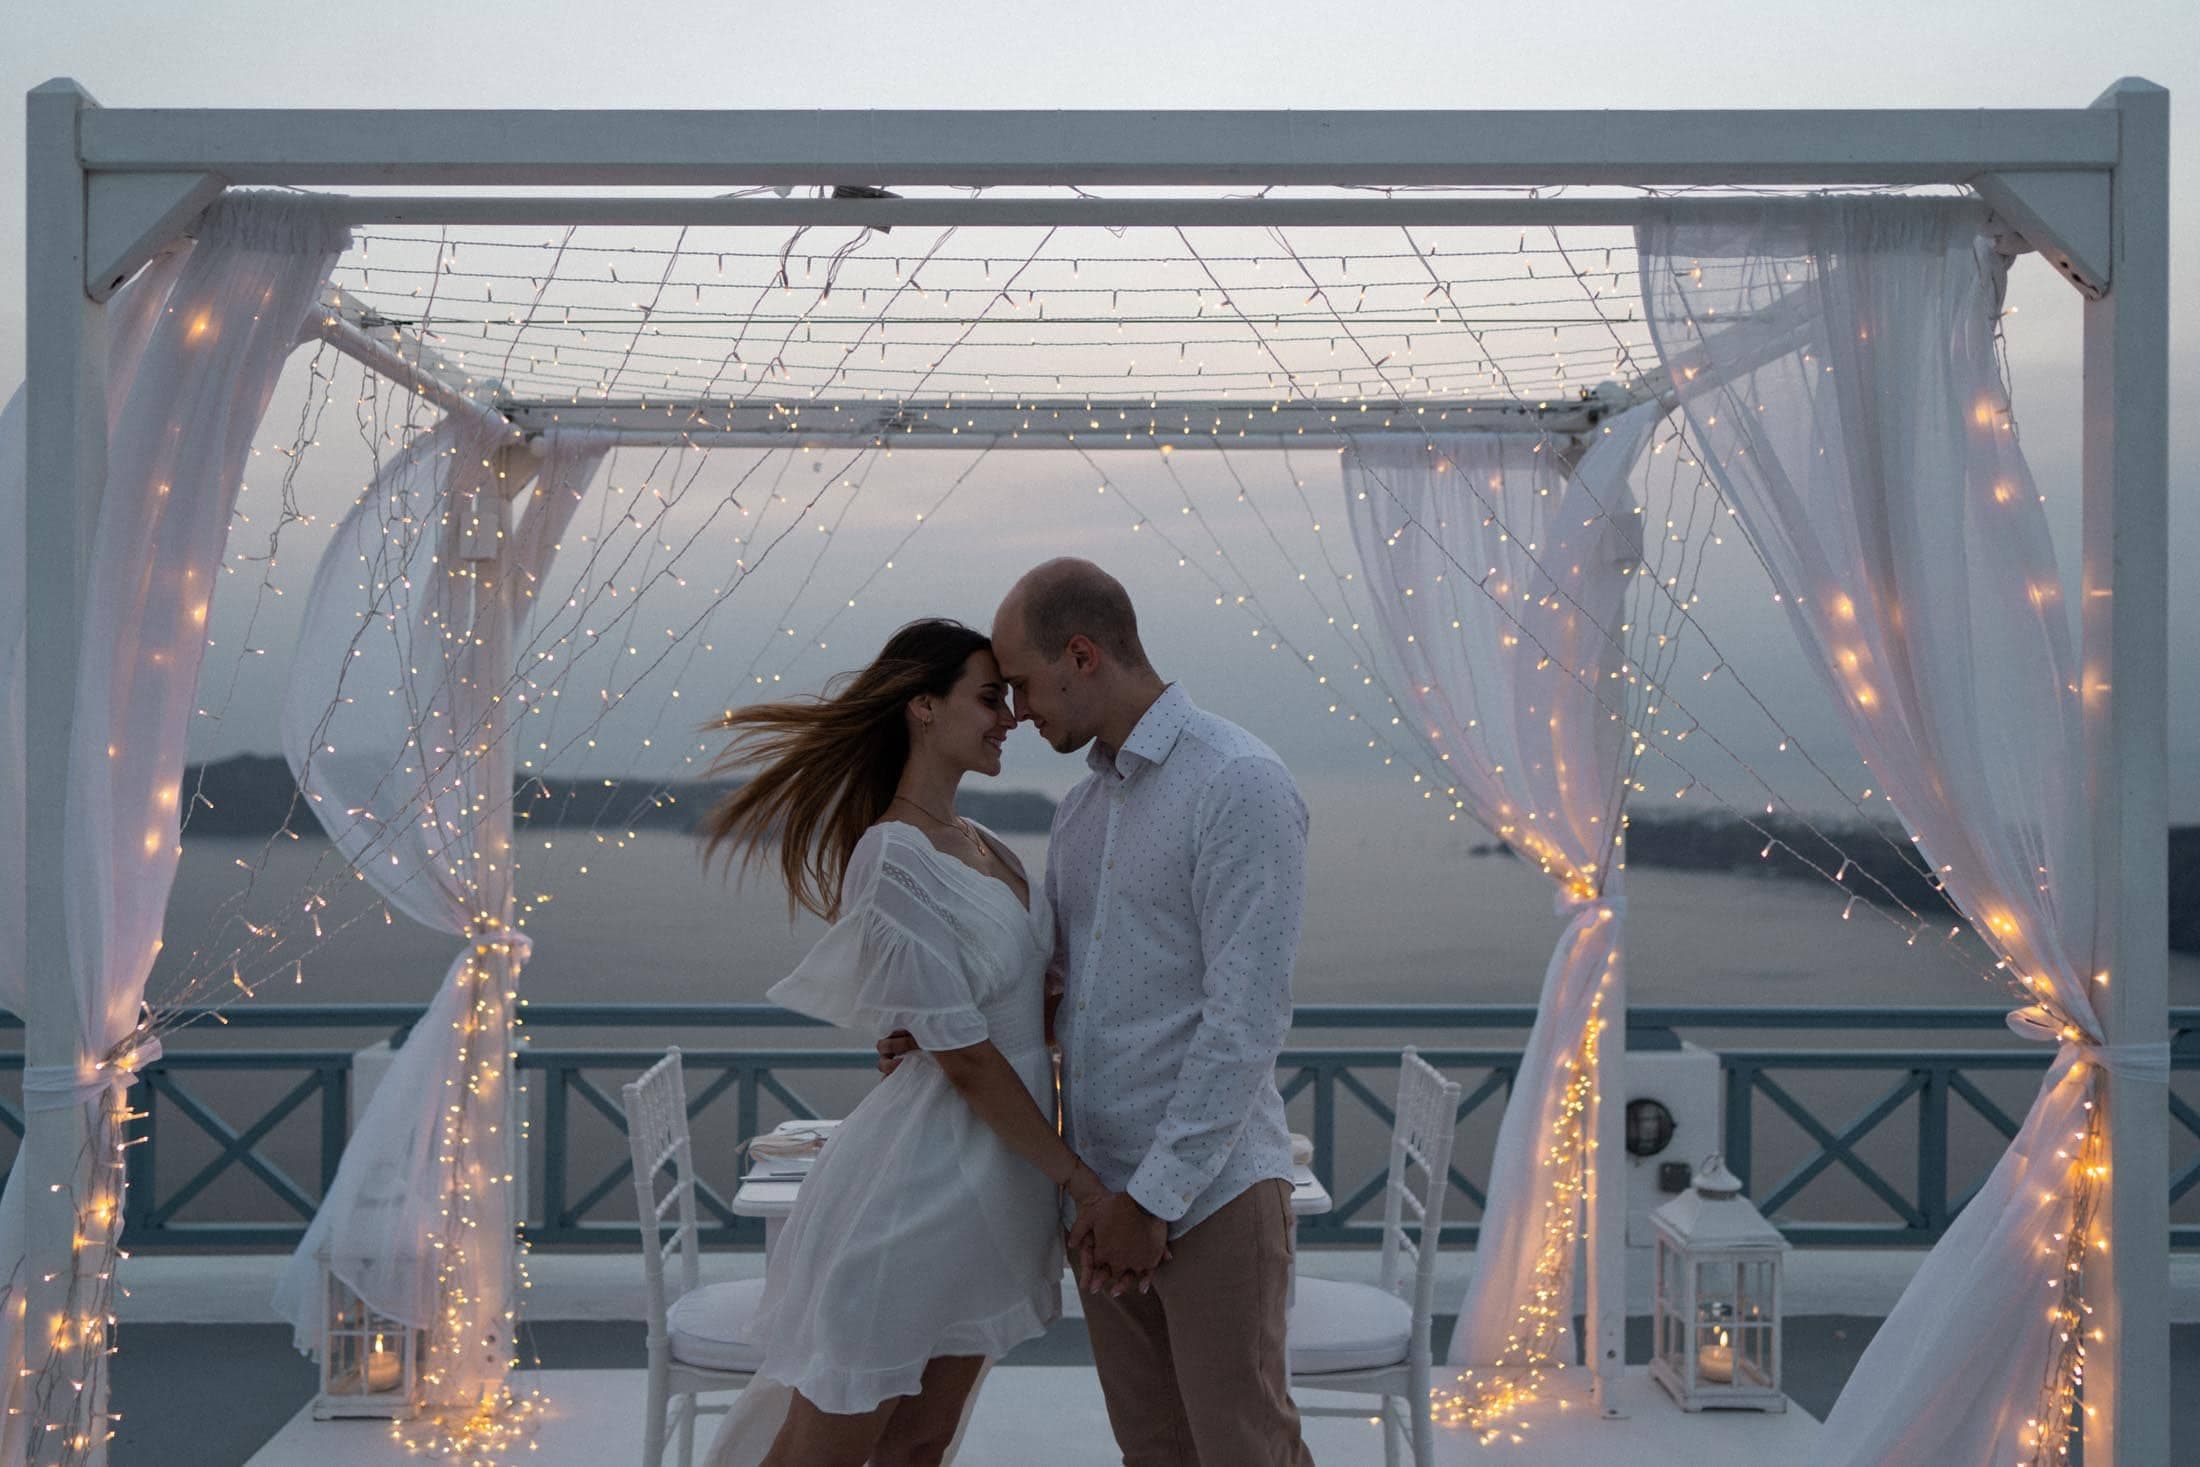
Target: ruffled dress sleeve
point(893, 960)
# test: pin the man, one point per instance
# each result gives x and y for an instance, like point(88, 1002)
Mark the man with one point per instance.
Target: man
point(1176, 868)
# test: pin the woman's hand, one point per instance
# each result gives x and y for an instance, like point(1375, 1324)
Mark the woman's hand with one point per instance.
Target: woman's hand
point(1084, 1187)
point(892, 1048)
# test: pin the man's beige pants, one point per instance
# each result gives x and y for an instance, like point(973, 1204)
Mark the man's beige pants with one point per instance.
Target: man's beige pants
point(1195, 1371)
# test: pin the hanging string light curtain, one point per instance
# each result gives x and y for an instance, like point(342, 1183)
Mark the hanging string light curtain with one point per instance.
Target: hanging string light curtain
point(130, 315)
point(1875, 465)
point(196, 346)
point(399, 722)
point(1444, 528)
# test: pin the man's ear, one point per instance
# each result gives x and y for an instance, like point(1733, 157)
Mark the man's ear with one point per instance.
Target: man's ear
point(1084, 653)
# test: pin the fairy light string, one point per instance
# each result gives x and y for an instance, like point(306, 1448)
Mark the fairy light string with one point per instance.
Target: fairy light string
point(1417, 255)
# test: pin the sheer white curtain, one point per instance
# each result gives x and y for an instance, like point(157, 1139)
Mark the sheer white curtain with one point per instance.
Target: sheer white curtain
point(1872, 459)
point(196, 345)
point(1443, 528)
point(398, 722)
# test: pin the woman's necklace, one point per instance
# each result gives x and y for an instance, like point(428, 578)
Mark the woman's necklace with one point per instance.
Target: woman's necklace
point(957, 824)
point(983, 848)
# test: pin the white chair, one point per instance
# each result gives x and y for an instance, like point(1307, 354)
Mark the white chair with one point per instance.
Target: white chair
point(700, 1340)
point(1374, 1339)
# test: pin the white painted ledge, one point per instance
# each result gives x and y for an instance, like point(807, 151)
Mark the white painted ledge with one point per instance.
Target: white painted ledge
point(237, 1288)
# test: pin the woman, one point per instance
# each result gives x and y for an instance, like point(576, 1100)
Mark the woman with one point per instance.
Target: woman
point(927, 1237)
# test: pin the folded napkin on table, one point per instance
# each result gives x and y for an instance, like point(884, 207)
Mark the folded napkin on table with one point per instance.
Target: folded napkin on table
point(793, 1139)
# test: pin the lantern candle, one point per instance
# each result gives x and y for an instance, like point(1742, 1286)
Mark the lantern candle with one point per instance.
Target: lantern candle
point(1716, 1362)
point(384, 1369)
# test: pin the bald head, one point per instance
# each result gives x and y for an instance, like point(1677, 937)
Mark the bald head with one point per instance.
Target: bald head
point(1068, 597)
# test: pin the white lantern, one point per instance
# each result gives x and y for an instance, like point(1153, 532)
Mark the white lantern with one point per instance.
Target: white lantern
point(1716, 1309)
point(368, 1360)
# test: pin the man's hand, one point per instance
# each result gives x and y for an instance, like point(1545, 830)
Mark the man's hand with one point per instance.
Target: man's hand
point(892, 1048)
point(1118, 1244)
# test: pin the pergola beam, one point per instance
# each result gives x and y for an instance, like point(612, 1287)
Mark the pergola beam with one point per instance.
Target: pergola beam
point(358, 331)
point(1366, 211)
point(1094, 424)
point(479, 148)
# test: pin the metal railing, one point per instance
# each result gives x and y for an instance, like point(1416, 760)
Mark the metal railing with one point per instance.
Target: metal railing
point(201, 1178)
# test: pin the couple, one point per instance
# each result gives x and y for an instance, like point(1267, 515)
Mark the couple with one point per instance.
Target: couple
point(1156, 952)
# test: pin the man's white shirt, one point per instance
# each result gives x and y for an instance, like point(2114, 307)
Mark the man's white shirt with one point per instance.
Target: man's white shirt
point(1177, 870)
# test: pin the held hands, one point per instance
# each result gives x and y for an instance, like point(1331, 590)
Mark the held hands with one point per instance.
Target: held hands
point(1117, 1243)
point(892, 1048)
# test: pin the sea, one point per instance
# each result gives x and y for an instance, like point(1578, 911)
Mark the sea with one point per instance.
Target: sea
point(1402, 907)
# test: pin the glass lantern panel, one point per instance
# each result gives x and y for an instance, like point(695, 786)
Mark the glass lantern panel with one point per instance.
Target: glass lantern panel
point(1757, 1295)
point(342, 1357)
point(1718, 1287)
point(1757, 1358)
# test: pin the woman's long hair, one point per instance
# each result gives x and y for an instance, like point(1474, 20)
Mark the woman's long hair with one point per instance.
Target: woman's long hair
point(830, 764)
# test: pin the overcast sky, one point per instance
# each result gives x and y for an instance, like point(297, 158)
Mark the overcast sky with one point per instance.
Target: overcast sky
point(1141, 55)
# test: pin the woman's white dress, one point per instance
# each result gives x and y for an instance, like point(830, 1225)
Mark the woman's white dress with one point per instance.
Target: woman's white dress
point(918, 1233)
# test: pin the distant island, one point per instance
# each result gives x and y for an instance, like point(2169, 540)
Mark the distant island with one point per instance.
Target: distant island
point(254, 795)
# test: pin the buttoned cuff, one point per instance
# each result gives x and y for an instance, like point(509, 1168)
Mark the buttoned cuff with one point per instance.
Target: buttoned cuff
point(1165, 1186)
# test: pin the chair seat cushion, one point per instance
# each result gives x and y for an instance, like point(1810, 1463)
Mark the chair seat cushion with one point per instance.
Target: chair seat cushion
point(713, 1328)
point(1341, 1326)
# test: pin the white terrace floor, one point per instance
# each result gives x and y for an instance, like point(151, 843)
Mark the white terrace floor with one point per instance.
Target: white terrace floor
point(1050, 1413)
point(1042, 1413)
point(1053, 1414)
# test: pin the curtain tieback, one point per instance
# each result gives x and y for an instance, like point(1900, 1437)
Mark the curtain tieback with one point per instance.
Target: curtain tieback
point(1566, 904)
point(2147, 1062)
point(58, 1087)
point(511, 939)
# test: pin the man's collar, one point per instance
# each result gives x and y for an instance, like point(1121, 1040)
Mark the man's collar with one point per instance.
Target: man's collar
point(1151, 739)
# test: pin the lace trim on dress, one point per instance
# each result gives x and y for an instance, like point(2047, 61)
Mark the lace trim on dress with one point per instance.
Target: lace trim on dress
point(964, 933)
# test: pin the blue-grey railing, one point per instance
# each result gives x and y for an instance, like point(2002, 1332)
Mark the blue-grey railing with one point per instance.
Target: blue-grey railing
point(579, 1197)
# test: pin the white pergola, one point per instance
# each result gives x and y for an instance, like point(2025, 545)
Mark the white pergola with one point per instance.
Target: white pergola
point(2087, 188)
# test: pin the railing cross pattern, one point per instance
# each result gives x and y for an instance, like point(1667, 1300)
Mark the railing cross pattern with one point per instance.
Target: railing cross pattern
point(760, 1080)
point(2188, 1176)
point(237, 1147)
point(1834, 1148)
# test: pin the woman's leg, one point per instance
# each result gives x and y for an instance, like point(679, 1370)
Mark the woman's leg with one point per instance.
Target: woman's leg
point(814, 1438)
point(923, 1425)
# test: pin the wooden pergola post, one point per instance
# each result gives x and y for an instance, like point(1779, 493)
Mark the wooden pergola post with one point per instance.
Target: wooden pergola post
point(66, 454)
point(2125, 671)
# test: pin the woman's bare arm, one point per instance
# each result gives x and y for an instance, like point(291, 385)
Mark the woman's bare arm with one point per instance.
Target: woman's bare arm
point(989, 1085)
